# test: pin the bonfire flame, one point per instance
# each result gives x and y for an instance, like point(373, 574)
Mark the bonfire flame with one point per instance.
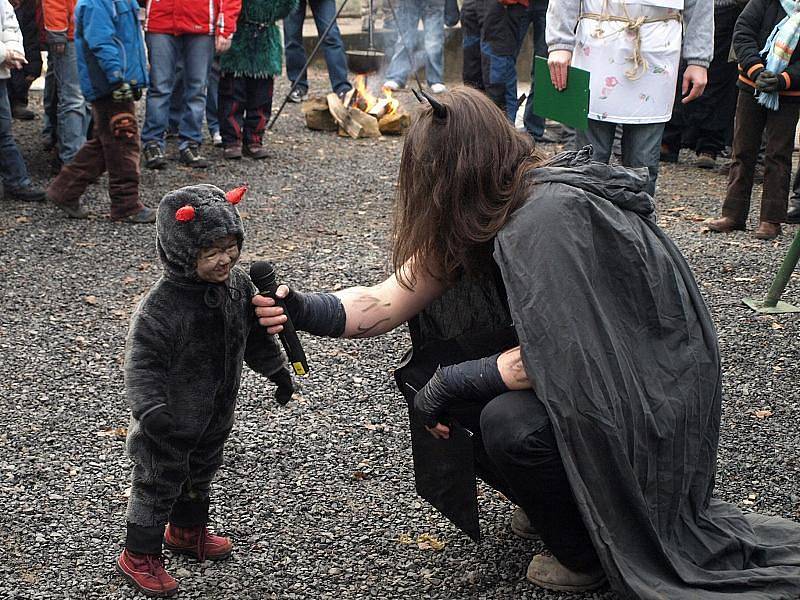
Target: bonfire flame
point(366, 100)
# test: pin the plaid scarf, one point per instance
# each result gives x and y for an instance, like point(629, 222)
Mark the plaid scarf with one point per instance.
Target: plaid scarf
point(779, 48)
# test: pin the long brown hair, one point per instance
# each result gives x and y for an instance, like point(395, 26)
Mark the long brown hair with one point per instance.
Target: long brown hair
point(460, 179)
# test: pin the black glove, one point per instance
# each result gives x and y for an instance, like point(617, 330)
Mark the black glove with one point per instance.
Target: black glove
point(317, 313)
point(285, 386)
point(769, 82)
point(137, 93)
point(158, 423)
point(122, 93)
point(471, 381)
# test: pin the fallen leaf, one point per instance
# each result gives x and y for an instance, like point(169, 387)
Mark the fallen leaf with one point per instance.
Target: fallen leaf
point(90, 300)
point(144, 266)
point(763, 413)
point(128, 280)
point(427, 542)
point(115, 432)
point(360, 476)
point(22, 219)
point(776, 325)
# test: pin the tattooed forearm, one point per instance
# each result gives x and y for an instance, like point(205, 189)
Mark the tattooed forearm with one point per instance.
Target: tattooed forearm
point(370, 303)
point(512, 369)
point(366, 330)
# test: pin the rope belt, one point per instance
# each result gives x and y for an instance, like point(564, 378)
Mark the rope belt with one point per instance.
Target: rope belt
point(640, 65)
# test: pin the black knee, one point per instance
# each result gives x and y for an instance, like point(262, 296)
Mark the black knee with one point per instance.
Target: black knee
point(515, 425)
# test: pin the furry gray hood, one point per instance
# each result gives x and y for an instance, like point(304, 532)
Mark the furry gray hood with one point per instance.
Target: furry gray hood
point(192, 218)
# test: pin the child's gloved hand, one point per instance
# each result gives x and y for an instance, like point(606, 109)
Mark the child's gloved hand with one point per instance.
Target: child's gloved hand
point(122, 93)
point(769, 82)
point(283, 380)
point(158, 423)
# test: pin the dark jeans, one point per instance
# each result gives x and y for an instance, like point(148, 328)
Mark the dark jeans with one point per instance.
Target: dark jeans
point(245, 105)
point(706, 124)
point(332, 46)
point(13, 171)
point(21, 79)
point(752, 120)
point(112, 149)
point(472, 14)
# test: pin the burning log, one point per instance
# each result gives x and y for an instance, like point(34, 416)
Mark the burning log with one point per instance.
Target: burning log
point(381, 107)
point(317, 115)
point(352, 121)
point(395, 122)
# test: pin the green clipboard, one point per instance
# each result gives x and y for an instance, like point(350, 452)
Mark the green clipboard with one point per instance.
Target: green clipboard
point(571, 106)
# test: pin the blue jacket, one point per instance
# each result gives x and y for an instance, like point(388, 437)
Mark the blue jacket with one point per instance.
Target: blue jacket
point(110, 46)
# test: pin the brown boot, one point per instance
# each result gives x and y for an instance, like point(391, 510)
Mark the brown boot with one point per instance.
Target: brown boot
point(197, 542)
point(232, 152)
point(545, 571)
point(767, 230)
point(724, 225)
point(521, 525)
point(147, 574)
point(256, 151)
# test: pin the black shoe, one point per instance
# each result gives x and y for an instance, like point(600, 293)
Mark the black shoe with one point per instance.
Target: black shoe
point(76, 211)
point(297, 95)
point(190, 156)
point(154, 157)
point(22, 112)
point(145, 215)
point(24, 194)
point(343, 93)
point(544, 139)
point(793, 214)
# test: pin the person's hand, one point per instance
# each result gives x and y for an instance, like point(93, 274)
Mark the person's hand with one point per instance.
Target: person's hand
point(222, 44)
point(768, 82)
point(430, 406)
point(285, 386)
point(694, 83)
point(269, 315)
point(14, 59)
point(15, 3)
point(558, 61)
point(158, 423)
point(58, 49)
point(122, 93)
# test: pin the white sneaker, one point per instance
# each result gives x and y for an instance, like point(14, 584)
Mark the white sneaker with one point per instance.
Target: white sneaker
point(391, 84)
point(217, 139)
point(438, 88)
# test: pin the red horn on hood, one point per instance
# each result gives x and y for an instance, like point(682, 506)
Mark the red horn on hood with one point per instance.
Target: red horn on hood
point(235, 195)
point(185, 213)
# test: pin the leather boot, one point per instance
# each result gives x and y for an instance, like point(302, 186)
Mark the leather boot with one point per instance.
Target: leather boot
point(147, 574)
point(545, 571)
point(197, 542)
point(724, 225)
point(521, 525)
point(256, 151)
point(793, 214)
point(767, 230)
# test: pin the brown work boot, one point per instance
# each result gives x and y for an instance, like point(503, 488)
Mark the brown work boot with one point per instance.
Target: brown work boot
point(197, 542)
point(706, 160)
point(767, 231)
point(147, 574)
point(256, 151)
point(724, 225)
point(233, 152)
point(545, 571)
point(521, 525)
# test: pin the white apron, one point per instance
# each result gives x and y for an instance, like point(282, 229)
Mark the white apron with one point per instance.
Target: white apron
point(623, 90)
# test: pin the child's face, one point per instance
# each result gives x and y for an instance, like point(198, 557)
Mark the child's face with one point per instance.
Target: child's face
point(214, 264)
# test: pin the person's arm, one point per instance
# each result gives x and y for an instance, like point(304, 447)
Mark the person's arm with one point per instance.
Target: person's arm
point(226, 24)
point(698, 47)
point(12, 52)
point(745, 39)
point(562, 20)
point(368, 311)
point(56, 24)
point(99, 32)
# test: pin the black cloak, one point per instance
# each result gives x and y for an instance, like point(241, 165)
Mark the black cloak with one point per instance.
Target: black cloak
point(623, 353)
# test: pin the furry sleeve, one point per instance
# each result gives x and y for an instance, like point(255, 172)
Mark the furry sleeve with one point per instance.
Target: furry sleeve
point(147, 353)
point(262, 353)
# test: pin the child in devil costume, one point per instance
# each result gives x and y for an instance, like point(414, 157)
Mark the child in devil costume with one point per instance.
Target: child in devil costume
point(183, 363)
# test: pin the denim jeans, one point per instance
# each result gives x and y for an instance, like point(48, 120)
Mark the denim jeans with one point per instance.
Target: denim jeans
point(73, 110)
point(332, 46)
point(641, 145)
point(537, 9)
point(13, 171)
point(176, 105)
point(165, 52)
point(409, 14)
point(50, 104)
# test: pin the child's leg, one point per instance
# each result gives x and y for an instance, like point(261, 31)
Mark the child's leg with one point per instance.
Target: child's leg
point(750, 120)
point(259, 107)
point(780, 128)
point(232, 102)
point(118, 132)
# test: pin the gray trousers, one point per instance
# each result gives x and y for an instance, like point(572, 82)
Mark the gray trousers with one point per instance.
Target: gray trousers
point(641, 145)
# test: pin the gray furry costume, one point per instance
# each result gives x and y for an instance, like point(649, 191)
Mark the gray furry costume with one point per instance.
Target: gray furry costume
point(183, 360)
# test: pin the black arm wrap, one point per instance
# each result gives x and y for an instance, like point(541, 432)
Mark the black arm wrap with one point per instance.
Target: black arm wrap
point(317, 313)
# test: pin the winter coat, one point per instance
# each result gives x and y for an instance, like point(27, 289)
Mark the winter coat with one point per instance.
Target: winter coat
point(110, 47)
point(257, 48)
point(59, 21)
point(750, 34)
point(177, 17)
point(10, 36)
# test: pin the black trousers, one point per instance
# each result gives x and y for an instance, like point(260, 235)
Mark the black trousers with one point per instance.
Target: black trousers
point(21, 79)
point(472, 14)
point(245, 104)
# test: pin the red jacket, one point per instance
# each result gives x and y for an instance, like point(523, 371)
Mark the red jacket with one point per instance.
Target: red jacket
point(176, 17)
point(58, 20)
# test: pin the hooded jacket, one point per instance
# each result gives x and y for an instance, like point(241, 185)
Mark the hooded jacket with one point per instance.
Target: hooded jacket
point(188, 338)
point(179, 17)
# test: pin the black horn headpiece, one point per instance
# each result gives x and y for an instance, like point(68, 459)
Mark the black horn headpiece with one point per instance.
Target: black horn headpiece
point(439, 109)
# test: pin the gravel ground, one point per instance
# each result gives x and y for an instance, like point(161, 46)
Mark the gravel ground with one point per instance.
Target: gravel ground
point(318, 496)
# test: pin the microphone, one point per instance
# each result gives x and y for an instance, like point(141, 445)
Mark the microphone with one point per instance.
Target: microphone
point(262, 274)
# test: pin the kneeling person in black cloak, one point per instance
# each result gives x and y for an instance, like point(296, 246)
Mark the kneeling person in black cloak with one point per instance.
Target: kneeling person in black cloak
point(550, 315)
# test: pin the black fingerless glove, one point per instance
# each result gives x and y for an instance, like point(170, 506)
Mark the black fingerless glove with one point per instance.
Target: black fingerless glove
point(471, 381)
point(317, 313)
point(158, 423)
point(284, 384)
point(769, 82)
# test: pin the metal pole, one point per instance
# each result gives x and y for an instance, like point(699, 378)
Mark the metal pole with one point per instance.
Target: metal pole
point(772, 303)
point(305, 66)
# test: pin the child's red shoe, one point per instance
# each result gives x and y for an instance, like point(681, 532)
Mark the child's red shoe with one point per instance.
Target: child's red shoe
point(147, 574)
point(197, 542)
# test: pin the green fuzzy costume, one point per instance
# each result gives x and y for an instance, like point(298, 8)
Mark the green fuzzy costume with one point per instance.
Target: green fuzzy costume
point(257, 49)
